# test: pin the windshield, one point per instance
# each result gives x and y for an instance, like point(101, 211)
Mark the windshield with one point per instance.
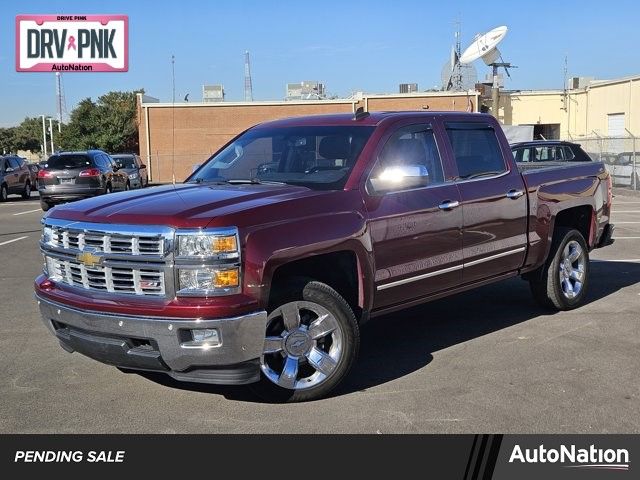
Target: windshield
point(127, 161)
point(68, 161)
point(320, 158)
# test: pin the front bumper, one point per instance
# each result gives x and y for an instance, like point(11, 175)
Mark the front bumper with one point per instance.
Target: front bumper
point(157, 344)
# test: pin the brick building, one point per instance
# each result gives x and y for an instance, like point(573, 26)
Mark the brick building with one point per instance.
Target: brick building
point(176, 137)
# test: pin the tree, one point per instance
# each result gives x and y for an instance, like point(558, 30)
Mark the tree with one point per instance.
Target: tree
point(26, 136)
point(7, 140)
point(108, 124)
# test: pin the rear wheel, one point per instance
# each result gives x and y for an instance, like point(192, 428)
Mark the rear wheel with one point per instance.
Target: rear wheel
point(4, 193)
point(311, 342)
point(44, 205)
point(26, 193)
point(562, 283)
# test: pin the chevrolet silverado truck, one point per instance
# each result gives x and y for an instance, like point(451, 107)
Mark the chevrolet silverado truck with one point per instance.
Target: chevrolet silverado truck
point(263, 265)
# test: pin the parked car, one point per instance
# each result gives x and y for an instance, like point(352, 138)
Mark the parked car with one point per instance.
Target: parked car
point(548, 151)
point(15, 177)
point(71, 176)
point(33, 170)
point(623, 171)
point(264, 265)
point(132, 165)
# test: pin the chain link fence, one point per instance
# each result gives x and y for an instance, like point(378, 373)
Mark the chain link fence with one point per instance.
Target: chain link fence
point(620, 156)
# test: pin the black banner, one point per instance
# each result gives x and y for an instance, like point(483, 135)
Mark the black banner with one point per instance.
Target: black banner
point(466, 457)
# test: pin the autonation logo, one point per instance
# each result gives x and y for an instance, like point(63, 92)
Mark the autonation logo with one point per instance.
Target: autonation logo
point(574, 457)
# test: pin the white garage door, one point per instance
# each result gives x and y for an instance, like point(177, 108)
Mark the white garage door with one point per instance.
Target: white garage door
point(615, 124)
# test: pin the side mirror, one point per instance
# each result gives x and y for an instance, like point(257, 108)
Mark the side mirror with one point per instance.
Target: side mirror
point(401, 177)
point(142, 166)
point(117, 166)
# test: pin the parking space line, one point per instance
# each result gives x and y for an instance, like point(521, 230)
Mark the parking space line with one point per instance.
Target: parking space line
point(14, 240)
point(626, 211)
point(618, 223)
point(28, 211)
point(630, 260)
point(626, 238)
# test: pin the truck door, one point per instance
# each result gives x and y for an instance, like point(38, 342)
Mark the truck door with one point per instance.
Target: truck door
point(494, 201)
point(415, 228)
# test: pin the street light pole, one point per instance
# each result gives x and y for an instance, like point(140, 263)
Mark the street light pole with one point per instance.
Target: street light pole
point(44, 136)
point(51, 133)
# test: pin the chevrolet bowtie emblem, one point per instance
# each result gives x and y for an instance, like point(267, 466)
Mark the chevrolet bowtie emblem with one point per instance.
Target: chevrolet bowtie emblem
point(88, 259)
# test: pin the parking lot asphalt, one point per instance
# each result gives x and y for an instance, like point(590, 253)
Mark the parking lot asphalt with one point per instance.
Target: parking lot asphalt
point(488, 360)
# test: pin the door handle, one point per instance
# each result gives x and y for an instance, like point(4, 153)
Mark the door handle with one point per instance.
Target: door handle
point(448, 204)
point(513, 194)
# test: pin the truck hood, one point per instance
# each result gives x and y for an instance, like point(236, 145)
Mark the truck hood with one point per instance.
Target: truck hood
point(183, 205)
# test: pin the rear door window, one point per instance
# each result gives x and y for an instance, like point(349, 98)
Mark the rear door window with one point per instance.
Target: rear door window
point(68, 161)
point(14, 163)
point(568, 153)
point(476, 149)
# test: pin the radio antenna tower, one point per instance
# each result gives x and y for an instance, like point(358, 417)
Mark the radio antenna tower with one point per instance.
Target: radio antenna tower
point(248, 88)
point(61, 107)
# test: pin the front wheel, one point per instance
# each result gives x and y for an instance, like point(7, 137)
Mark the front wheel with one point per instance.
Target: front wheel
point(4, 193)
point(562, 283)
point(312, 340)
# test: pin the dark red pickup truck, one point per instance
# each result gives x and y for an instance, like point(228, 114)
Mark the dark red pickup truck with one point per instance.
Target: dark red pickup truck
point(264, 264)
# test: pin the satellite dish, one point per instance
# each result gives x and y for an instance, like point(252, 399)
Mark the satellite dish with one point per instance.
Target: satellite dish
point(485, 47)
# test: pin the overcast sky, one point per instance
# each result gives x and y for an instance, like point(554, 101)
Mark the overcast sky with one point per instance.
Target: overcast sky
point(369, 46)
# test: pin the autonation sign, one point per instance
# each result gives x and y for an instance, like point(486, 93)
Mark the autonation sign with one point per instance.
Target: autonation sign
point(72, 43)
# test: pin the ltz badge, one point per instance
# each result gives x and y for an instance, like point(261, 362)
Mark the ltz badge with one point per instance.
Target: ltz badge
point(72, 43)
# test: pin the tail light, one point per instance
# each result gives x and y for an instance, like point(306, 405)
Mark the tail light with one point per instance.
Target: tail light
point(45, 174)
point(91, 172)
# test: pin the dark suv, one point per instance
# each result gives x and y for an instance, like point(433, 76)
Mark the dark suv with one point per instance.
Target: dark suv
point(71, 176)
point(548, 151)
point(135, 169)
point(15, 177)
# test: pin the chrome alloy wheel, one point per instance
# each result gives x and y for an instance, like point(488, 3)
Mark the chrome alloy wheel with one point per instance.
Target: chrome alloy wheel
point(572, 268)
point(303, 345)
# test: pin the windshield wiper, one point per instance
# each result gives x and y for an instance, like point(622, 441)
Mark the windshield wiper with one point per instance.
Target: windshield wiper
point(251, 181)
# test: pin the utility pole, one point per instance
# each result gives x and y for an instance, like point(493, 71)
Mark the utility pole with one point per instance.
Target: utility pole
point(173, 119)
point(44, 135)
point(51, 134)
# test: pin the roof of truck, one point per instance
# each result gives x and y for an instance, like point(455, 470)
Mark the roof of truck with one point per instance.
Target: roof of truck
point(371, 119)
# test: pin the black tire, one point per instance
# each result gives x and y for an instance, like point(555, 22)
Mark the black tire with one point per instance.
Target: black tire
point(315, 293)
point(4, 193)
point(108, 189)
point(127, 186)
point(26, 193)
point(547, 286)
point(44, 205)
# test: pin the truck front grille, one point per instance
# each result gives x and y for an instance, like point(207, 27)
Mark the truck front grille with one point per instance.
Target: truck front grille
point(120, 279)
point(124, 244)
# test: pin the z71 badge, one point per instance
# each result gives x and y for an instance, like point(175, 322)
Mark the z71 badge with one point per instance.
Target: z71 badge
point(72, 43)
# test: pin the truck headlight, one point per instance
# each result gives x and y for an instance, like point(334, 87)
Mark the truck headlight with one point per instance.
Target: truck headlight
point(47, 234)
point(214, 243)
point(133, 176)
point(208, 280)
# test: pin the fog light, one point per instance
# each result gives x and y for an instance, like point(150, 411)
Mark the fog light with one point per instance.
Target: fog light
point(205, 335)
point(203, 338)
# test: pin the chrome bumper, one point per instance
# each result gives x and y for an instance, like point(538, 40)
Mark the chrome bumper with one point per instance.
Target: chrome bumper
point(116, 339)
